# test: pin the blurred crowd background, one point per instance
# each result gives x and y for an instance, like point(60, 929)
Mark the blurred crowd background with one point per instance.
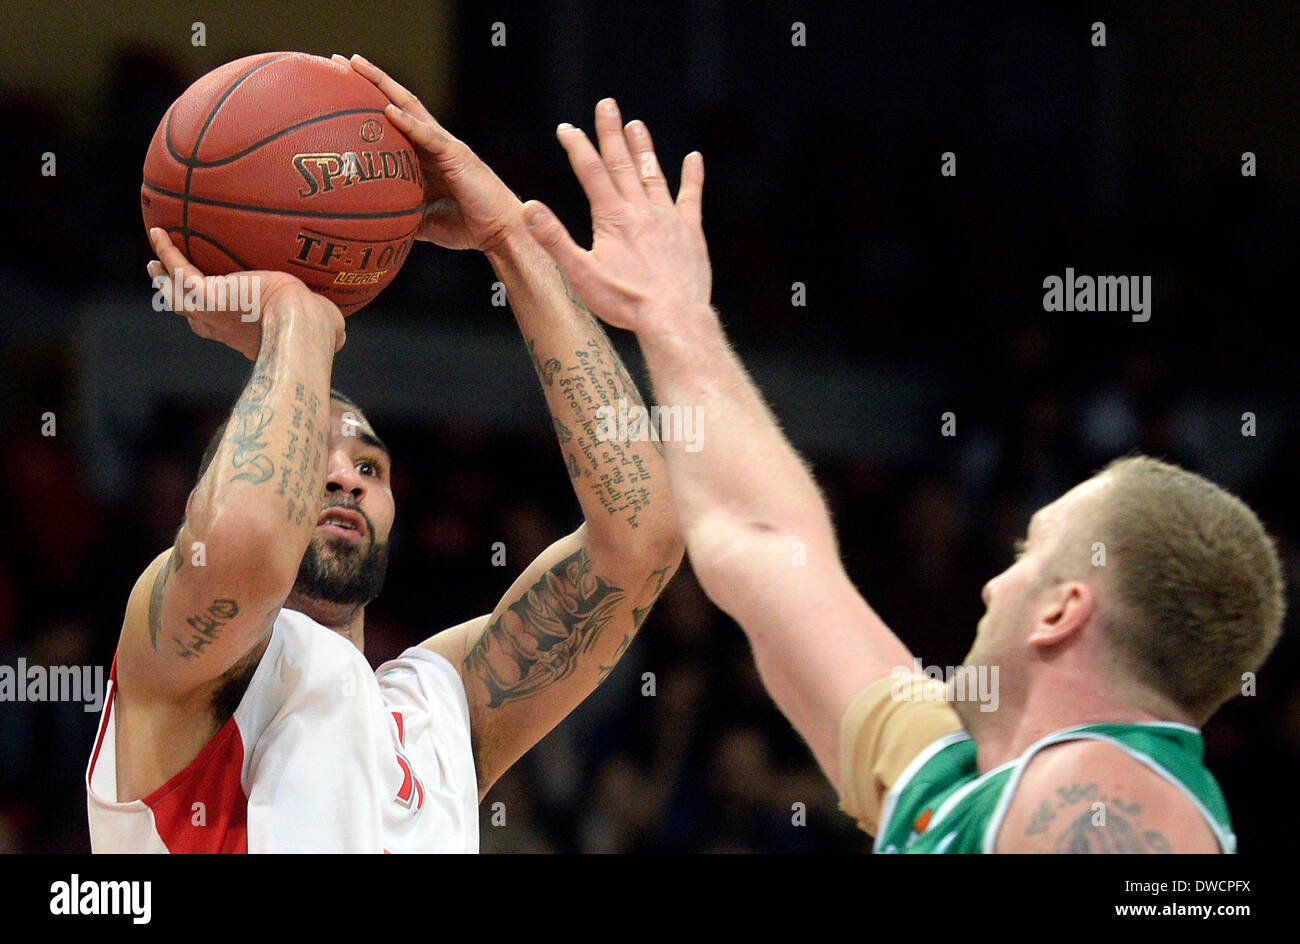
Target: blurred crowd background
point(923, 295)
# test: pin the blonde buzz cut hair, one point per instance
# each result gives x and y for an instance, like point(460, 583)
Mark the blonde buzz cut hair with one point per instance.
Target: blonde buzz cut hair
point(1197, 580)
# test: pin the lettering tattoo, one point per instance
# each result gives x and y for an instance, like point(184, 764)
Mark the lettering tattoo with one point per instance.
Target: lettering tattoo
point(303, 458)
point(1107, 825)
point(614, 470)
point(206, 627)
point(538, 641)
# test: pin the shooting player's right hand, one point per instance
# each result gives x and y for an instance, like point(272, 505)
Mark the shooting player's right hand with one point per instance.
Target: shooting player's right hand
point(239, 327)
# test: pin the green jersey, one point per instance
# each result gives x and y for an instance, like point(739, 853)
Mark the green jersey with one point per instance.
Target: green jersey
point(942, 803)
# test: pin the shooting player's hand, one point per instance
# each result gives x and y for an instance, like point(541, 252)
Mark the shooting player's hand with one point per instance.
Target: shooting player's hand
point(466, 205)
point(178, 280)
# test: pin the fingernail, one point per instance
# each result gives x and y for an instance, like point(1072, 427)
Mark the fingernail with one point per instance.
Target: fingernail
point(363, 59)
point(637, 127)
point(563, 126)
point(534, 216)
point(608, 106)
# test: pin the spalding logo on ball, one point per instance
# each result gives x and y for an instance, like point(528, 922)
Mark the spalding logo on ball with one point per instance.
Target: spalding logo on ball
point(285, 161)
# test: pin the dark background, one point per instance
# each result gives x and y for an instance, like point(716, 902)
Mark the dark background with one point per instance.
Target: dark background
point(924, 295)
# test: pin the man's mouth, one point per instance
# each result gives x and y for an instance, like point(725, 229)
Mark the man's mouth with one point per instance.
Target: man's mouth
point(343, 523)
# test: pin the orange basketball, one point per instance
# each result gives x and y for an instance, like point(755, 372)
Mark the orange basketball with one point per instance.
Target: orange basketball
point(286, 161)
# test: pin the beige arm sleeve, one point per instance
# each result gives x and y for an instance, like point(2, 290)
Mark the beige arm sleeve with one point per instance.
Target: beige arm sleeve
point(888, 724)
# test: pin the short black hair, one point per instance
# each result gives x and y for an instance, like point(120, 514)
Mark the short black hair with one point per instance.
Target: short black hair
point(214, 443)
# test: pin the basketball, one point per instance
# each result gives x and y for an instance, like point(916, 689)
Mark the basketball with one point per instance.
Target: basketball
point(285, 161)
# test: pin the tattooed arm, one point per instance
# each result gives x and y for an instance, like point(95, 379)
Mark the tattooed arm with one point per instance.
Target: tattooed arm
point(1091, 797)
point(201, 606)
point(565, 622)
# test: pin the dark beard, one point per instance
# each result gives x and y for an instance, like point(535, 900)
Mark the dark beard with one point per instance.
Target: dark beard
point(341, 572)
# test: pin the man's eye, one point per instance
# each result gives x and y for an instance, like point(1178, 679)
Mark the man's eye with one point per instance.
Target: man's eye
point(367, 467)
point(1019, 546)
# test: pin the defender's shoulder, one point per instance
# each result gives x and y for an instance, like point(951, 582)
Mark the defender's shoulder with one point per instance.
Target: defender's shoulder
point(1092, 796)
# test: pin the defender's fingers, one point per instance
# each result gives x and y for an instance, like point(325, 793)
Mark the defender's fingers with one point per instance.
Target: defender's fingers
point(647, 164)
point(589, 168)
point(691, 193)
point(397, 93)
point(613, 148)
point(551, 235)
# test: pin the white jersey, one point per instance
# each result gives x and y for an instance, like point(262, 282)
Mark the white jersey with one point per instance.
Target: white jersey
point(322, 755)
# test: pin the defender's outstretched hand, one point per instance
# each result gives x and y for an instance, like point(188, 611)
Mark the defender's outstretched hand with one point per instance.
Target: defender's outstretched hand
point(466, 205)
point(648, 259)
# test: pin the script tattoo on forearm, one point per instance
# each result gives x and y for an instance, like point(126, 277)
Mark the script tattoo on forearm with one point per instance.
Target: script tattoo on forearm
point(1112, 828)
point(302, 458)
point(538, 641)
point(613, 469)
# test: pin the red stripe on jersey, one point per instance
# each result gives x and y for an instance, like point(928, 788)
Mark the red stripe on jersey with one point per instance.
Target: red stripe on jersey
point(103, 724)
point(203, 808)
point(401, 728)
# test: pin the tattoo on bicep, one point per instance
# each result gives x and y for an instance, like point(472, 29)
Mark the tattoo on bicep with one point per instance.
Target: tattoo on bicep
point(539, 639)
point(206, 627)
point(156, 601)
point(1108, 825)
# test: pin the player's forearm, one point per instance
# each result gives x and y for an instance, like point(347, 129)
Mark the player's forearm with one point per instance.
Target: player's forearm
point(621, 483)
point(744, 477)
point(256, 505)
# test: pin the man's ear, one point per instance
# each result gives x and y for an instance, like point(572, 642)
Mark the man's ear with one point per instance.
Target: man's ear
point(1062, 611)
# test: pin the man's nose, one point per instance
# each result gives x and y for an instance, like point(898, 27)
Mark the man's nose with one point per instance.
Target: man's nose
point(343, 477)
